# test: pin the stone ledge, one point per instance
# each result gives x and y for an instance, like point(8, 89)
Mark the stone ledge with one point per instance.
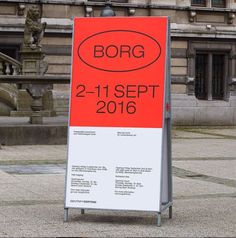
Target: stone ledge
point(45, 113)
point(33, 135)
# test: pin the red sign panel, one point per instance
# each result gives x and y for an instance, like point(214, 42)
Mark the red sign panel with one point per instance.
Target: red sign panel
point(118, 72)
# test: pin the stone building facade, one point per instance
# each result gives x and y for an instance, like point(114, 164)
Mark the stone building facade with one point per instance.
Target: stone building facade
point(203, 50)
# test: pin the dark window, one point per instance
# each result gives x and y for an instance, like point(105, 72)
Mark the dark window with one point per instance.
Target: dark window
point(212, 3)
point(201, 3)
point(201, 76)
point(218, 3)
point(218, 76)
point(210, 77)
point(12, 51)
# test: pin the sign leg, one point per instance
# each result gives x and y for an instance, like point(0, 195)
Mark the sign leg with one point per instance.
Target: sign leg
point(158, 219)
point(66, 214)
point(82, 211)
point(170, 212)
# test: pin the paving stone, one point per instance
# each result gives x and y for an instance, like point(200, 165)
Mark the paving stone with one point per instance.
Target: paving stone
point(221, 169)
point(33, 153)
point(184, 187)
point(32, 205)
point(192, 218)
point(7, 178)
point(226, 132)
point(176, 134)
point(204, 148)
point(34, 169)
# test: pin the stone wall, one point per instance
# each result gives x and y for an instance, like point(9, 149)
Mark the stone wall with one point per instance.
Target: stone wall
point(188, 24)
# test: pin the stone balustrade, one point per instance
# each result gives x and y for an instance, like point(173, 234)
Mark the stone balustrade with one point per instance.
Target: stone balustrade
point(9, 66)
point(8, 91)
point(38, 85)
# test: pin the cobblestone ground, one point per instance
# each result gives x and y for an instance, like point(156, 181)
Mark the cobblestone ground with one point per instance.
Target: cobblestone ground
point(204, 175)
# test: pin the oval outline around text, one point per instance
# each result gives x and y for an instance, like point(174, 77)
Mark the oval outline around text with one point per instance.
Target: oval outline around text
point(119, 71)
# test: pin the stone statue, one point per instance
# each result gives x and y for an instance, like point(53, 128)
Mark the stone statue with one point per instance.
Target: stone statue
point(33, 63)
point(34, 29)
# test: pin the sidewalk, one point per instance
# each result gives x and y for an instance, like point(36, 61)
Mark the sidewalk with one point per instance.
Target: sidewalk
point(204, 176)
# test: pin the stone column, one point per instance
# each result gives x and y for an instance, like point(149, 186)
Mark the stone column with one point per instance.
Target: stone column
point(191, 70)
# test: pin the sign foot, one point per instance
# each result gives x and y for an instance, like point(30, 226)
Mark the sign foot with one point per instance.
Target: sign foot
point(66, 214)
point(158, 219)
point(170, 212)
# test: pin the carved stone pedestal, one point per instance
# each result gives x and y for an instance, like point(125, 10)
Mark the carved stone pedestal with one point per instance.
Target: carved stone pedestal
point(24, 104)
point(33, 64)
point(32, 61)
point(36, 118)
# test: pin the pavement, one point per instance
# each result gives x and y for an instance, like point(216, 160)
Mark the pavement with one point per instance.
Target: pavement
point(204, 177)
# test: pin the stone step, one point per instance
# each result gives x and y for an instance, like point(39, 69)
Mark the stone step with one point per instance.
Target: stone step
point(17, 131)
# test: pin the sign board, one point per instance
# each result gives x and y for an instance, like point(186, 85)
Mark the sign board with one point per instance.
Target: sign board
point(118, 148)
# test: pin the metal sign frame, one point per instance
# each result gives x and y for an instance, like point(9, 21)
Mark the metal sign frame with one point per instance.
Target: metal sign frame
point(166, 199)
